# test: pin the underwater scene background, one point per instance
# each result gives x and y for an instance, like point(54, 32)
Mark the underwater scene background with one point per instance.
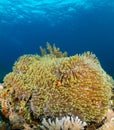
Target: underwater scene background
point(75, 26)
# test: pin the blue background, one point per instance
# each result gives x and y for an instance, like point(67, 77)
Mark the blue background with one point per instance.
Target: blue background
point(75, 26)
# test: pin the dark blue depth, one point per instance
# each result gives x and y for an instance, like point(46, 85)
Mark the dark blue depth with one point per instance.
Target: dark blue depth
point(72, 27)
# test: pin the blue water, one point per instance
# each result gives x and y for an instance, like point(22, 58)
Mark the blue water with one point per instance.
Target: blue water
point(75, 26)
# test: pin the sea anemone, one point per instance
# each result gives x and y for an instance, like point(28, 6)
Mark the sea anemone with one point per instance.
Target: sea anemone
point(65, 123)
point(53, 86)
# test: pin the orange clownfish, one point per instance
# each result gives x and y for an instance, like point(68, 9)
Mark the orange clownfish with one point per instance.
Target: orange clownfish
point(59, 83)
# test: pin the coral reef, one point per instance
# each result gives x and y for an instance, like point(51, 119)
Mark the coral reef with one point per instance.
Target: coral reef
point(109, 122)
point(53, 50)
point(54, 85)
point(107, 126)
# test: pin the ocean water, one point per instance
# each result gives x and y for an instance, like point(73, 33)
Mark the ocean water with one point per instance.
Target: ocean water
point(75, 26)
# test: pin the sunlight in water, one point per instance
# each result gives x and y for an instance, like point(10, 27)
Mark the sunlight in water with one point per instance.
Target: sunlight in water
point(17, 11)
